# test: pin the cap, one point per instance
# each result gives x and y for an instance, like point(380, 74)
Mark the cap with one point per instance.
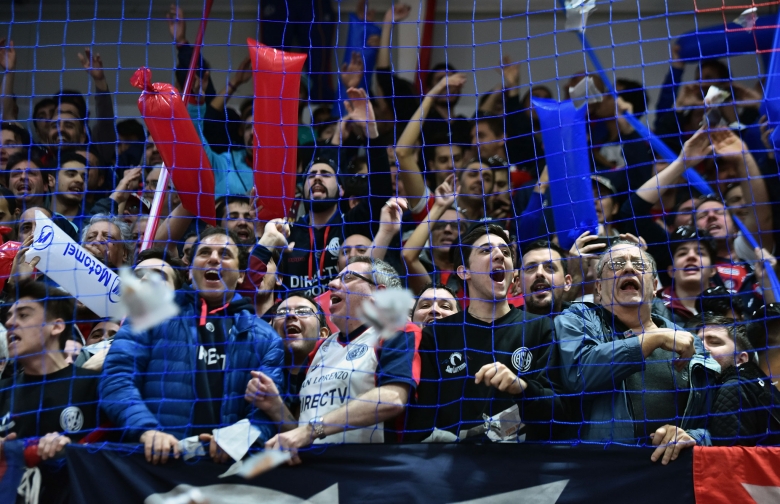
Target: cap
point(605, 182)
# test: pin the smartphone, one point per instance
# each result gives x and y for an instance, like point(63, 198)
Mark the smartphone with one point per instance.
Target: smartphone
point(601, 239)
point(136, 205)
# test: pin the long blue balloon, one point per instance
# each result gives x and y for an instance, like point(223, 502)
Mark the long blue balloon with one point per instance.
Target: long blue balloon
point(666, 153)
point(568, 165)
point(724, 40)
point(772, 90)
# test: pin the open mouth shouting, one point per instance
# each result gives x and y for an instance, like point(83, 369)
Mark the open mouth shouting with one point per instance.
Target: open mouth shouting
point(540, 287)
point(318, 189)
point(13, 338)
point(630, 285)
point(498, 275)
point(212, 278)
point(293, 329)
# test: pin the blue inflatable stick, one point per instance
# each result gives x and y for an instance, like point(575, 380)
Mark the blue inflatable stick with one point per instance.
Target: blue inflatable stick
point(568, 165)
point(772, 89)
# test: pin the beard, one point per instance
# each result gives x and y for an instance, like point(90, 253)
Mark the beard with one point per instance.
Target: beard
point(318, 206)
point(325, 204)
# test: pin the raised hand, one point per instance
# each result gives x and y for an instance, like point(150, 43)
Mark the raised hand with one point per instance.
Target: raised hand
point(583, 246)
point(444, 195)
point(398, 13)
point(697, 148)
point(390, 217)
point(361, 111)
point(689, 96)
point(7, 55)
point(129, 183)
point(176, 24)
point(93, 64)
point(242, 74)
point(726, 143)
point(275, 235)
point(510, 71)
point(448, 83)
point(351, 75)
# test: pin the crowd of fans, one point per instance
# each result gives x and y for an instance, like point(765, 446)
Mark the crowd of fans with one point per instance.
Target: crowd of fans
point(659, 329)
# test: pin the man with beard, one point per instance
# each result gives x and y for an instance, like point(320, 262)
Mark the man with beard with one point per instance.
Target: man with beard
point(488, 361)
point(313, 261)
point(300, 322)
point(69, 187)
point(545, 277)
point(67, 130)
point(474, 185)
point(626, 362)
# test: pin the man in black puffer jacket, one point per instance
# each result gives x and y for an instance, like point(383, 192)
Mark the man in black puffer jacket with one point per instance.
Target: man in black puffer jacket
point(744, 406)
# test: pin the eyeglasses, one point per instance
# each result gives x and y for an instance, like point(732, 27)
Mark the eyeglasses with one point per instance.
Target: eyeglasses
point(141, 273)
point(351, 276)
point(440, 225)
point(619, 264)
point(301, 311)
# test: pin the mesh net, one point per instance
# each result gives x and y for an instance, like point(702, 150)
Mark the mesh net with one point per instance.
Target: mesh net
point(581, 196)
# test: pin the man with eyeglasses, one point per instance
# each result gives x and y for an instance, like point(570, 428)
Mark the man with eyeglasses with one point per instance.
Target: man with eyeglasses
point(356, 383)
point(628, 364)
point(301, 324)
point(488, 362)
point(187, 375)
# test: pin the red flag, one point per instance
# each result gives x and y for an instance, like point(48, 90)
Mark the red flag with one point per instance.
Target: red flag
point(171, 127)
point(277, 78)
point(736, 474)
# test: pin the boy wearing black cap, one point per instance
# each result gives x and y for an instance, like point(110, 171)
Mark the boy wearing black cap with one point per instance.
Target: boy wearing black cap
point(691, 272)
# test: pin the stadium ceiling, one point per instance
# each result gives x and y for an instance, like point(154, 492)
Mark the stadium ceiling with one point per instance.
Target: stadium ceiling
point(84, 9)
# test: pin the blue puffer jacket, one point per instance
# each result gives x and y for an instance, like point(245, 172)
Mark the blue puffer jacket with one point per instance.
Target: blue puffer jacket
point(149, 380)
point(596, 361)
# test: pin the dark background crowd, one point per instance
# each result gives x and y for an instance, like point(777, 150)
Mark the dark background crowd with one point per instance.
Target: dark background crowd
point(656, 328)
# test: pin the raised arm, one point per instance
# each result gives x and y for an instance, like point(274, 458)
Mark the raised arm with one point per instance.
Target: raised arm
point(754, 191)
point(409, 171)
point(418, 276)
point(242, 74)
point(389, 226)
point(695, 149)
point(8, 65)
point(104, 130)
point(398, 12)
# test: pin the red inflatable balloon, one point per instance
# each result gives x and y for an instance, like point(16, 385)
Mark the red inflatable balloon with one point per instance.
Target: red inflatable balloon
point(8, 251)
point(175, 136)
point(277, 78)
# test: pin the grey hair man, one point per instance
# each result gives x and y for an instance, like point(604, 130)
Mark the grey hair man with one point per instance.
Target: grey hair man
point(356, 383)
point(108, 238)
point(628, 363)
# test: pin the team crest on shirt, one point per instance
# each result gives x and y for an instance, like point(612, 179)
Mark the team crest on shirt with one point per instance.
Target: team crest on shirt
point(456, 363)
point(521, 359)
point(357, 351)
point(71, 419)
point(334, 246)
